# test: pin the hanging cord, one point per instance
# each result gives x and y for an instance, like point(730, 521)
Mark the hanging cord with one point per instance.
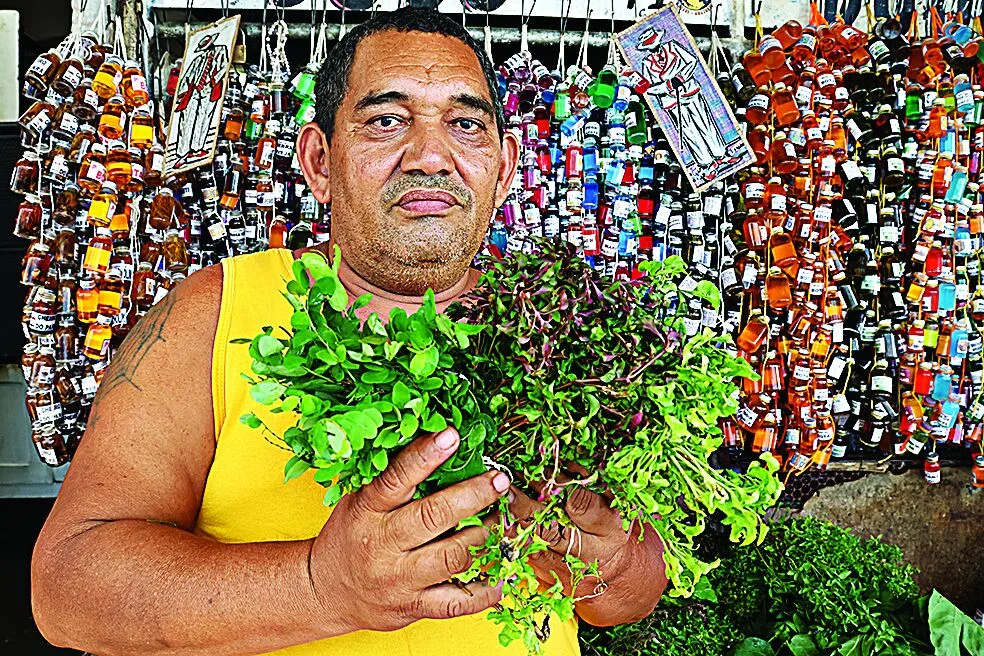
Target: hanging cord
point(487, 33)
point(582, 52)
point(565, 14)
point(321, 48)
point(524, 45)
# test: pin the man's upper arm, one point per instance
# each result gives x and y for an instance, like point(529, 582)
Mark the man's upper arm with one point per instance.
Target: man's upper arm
point(150, 439)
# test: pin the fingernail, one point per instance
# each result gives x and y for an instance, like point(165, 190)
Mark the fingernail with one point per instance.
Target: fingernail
point(512, 496)
point(500, 482)
point(446, 439)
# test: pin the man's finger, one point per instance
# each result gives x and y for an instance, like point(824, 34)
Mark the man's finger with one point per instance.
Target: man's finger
point(591, 512)
point(423, 520)
point(436, 562)
point(447, 600)
point(394, 487)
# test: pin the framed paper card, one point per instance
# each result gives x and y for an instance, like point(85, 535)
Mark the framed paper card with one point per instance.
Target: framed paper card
point(685, 99)
point(193, 132)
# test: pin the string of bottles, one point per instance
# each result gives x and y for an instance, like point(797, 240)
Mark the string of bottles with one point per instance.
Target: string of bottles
point(110, 236)
point(854, 245)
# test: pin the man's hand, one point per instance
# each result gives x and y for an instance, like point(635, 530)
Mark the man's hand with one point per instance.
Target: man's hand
point(388, 567)
point(633, 571)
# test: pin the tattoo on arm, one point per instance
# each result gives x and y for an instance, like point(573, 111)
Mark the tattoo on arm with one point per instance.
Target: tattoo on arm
point(125, 365)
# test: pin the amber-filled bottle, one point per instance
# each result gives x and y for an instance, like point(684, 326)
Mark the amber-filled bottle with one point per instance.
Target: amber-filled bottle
point(107, 79)
point(97, 338)
point(112, 123)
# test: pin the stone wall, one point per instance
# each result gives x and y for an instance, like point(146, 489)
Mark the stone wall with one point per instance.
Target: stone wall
point(940, 528)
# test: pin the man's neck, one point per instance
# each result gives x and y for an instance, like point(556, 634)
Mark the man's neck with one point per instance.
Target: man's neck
point(384, 300)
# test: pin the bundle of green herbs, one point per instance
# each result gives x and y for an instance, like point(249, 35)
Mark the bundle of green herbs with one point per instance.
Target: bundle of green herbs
point(544, 369)
point(810, 589)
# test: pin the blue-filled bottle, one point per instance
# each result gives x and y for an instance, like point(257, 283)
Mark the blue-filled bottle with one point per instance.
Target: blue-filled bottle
point(590, 200)
point(958, 185)
point(942, 383)
point(499, 236)
point(574, 122)
point(616, 169)
point(590, 157)
point(947, 296)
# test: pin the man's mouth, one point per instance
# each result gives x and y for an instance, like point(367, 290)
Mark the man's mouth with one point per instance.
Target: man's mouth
point(427, 201)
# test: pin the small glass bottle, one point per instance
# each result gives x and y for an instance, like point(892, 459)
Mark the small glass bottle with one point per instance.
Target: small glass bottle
point(931, 468)
point(98, 252)
point(110, 297)
point(134, 85)
point(92, 170)
point(28, 223)
point(141, 129)
point(112, 123)
point(163, 209)
point(97, 338)
point(87, 300)
point(27, 170)
point(107, 79)
point(175, 252)
point(103, 205)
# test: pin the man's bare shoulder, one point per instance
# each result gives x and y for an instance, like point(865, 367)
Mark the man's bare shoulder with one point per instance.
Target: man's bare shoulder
point(175, 333)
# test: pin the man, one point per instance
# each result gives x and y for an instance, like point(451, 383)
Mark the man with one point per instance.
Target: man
point(174, 532)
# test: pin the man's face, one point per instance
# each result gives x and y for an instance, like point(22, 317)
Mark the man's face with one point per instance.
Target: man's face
point(415, 168)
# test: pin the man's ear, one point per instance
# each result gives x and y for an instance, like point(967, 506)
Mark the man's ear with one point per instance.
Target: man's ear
point(507, 167)
point(312, 153)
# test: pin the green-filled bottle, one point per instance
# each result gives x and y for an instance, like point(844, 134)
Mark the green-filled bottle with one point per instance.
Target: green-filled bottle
point(602, 92)
point(562, 102)
point(635, 122)
point(913, 102)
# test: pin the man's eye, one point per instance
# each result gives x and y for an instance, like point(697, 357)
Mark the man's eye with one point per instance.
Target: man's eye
point(385, 121)
point(469, 125)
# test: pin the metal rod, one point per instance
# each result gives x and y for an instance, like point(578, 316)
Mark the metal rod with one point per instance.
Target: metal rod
point(172, 30)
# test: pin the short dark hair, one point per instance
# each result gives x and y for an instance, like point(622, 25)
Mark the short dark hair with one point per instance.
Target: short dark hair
point(334, 74)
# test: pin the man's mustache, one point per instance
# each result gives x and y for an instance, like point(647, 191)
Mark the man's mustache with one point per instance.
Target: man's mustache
point(396, 188)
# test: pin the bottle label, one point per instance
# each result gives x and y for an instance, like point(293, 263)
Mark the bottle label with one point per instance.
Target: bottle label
point(49, 413)
point(746, 416)
point(217, 230)
point(40, 66)
point(95, 171)
point(39, 123)
point(59, 168)
point(96, 259)
point(881, 384)
point(933, 477)
point(138, 83)
point(803, 95)
point(72, 77)
point(826, 80)
point(778, 203)
point(895, 165)
point(801, 372)
point(264, 199)
point(758, 101)
point(753, 190)
point(41, 322)
point(44, 375)
point(838, 451)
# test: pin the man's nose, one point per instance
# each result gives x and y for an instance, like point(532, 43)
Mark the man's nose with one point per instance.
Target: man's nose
point(428, 151)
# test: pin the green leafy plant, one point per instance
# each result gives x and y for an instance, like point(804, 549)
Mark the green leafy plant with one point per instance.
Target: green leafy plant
point(544, 369)
point(810, 589)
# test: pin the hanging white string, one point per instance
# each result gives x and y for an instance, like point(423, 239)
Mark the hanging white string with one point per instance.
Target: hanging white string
point(488, 32)
point(565, 14)
point(583, 50)
point(119, 45)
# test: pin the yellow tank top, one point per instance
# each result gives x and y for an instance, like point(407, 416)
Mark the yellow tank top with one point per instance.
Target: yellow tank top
point(246, 499)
